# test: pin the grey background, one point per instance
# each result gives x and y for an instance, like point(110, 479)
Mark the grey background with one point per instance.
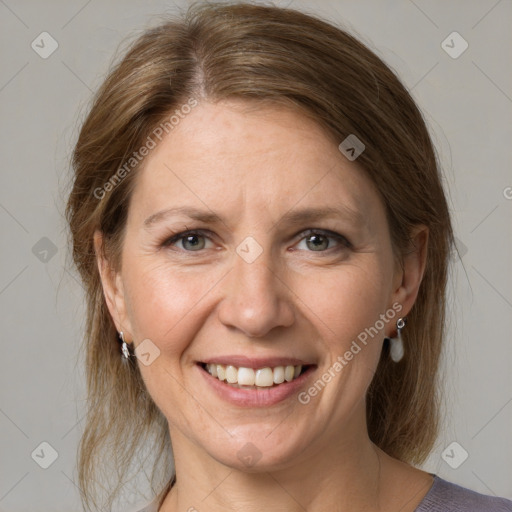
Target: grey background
point(467, 103)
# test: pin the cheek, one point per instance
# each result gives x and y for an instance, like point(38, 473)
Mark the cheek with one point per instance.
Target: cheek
point(165, 303)
point(344, 303)
point(345, 307)
point(165, 306)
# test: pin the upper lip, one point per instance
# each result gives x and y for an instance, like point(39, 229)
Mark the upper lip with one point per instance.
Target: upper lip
point(255, 362)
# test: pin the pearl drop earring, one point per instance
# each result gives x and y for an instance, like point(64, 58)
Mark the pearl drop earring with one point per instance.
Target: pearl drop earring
point(396, 350)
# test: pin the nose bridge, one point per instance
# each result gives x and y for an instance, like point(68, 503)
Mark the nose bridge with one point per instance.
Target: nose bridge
point(257, 277)
point(256, 300)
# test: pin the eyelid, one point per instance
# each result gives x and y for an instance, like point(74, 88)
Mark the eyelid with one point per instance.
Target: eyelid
point(325, 232)
point(169, 240)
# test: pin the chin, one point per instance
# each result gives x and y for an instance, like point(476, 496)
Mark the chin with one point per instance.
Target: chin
point(255, 452)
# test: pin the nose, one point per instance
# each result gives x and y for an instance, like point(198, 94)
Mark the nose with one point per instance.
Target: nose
point(256, 299)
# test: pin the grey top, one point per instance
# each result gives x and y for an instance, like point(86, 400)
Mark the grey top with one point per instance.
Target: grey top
point(443, 496)
point(446, 496)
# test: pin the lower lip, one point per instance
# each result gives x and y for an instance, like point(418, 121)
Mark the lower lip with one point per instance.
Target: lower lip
point(256, 397)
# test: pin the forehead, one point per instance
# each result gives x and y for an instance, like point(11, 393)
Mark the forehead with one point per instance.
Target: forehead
point(237, 155)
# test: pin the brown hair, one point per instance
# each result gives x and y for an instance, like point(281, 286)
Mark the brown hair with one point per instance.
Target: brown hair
point(261, 54)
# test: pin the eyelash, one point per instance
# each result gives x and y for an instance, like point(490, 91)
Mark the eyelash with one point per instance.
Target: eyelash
point(342, 240)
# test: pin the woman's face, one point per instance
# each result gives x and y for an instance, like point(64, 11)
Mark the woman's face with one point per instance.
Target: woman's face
point(287, 262)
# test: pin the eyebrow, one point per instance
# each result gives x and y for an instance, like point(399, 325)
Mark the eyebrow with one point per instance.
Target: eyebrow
point(193, 213)
point(291, 217)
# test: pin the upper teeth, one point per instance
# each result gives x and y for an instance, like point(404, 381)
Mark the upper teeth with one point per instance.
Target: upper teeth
point(264, 377)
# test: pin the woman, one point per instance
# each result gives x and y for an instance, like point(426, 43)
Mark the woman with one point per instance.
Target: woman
point(259, 221)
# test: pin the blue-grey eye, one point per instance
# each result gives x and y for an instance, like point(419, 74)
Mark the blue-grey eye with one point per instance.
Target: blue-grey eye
point(317, 242)
point(193, 242)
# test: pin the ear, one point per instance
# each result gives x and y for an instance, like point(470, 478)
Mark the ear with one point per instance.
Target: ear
point(113, 289)
point(409, 271)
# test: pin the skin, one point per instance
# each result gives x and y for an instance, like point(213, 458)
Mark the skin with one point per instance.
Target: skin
point(250, 166)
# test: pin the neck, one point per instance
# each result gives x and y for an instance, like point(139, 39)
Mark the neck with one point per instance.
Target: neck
point(344, 476)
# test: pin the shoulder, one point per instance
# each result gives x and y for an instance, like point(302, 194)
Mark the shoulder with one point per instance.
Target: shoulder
point(446, 496)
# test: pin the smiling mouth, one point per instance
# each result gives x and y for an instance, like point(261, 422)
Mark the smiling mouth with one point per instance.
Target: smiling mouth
point(254, 378)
